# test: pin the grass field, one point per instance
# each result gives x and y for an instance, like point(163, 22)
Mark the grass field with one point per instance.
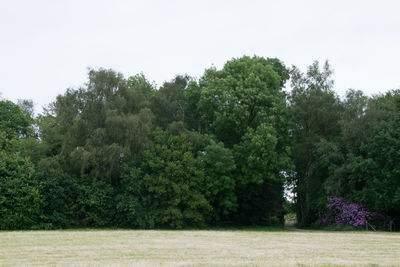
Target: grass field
point(207, 248)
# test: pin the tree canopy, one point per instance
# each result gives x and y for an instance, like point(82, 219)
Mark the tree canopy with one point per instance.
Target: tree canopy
point(213, 151)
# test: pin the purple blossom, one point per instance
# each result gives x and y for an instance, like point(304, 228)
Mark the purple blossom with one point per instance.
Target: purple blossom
point(341, 212)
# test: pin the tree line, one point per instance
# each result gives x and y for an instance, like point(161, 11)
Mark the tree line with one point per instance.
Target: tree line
point(215, 151)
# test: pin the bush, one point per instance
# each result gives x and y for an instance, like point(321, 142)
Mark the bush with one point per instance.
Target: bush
point(21, 205)
point(344, 213)
point(59, 192)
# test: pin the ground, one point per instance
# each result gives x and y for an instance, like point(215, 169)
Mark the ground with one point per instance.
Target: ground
point(258, 247)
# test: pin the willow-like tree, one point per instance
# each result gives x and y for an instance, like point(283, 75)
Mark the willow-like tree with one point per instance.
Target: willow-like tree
point(95, 128)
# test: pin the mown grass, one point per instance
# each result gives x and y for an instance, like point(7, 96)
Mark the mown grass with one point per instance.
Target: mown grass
point(221, 247)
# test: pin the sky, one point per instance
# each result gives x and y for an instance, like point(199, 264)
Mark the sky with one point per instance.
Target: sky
point(47, 46)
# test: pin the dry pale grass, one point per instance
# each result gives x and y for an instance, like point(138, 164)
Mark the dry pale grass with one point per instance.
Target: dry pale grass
point(208, 248)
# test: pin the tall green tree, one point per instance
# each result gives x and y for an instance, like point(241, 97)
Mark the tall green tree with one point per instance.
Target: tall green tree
point(372, 173)
point(359, 164)
point(98, 127)
point(244, 94)
point(243, 106)
point(317, 112)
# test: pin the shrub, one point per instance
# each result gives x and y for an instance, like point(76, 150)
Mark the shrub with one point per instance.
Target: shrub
point(340, 212)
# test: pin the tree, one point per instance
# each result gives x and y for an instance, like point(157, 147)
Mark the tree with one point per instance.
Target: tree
point(27, 106)
point(361, 165)
point(168, 103)
point(317, 111)
point(244, 107)
point(260, 181)
point(373, 172)
point(20, 201)
point(176, 186)
point(97, 128)
point(245, 93)
point(14, 122)
point(133, 200)
point(59, 192)
point(218, 164)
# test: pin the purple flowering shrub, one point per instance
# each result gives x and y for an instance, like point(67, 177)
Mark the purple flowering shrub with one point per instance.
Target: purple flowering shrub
point(340, 212)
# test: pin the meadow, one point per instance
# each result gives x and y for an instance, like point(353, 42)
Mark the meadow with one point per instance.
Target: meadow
point(253, 247)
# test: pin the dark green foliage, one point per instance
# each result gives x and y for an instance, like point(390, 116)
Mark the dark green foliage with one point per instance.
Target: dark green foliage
point(14, 122)
point(168, 104)
point(244, 107)
point(31, 148)
point(59, 192)
point(260, 178)
point(20, 201)
point(193, 116)
point(176, 186)
point(97, 128)
point(194, 153)
point(373, 173)
point(244, 94)
point(94, 204)
point(219, 166)
point(343, 148)
point(132, 201)
point(317, 111)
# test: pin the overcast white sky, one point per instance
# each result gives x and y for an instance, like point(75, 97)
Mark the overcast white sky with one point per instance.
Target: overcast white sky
point(46, 46)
